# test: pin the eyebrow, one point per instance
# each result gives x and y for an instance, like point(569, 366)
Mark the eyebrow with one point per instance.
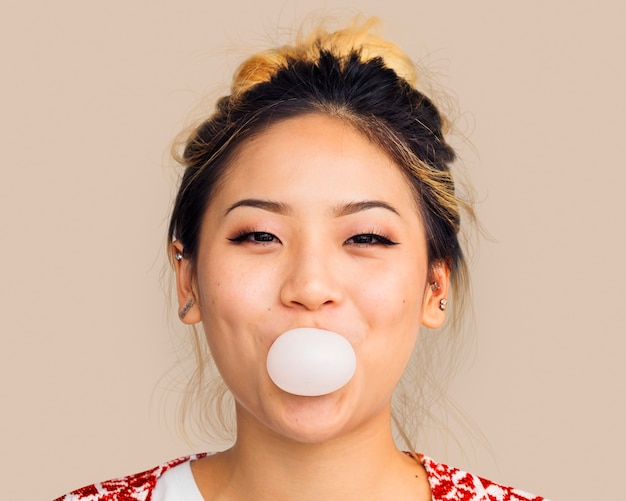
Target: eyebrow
point(354, 207)
point(338, 211)
point(268, 205)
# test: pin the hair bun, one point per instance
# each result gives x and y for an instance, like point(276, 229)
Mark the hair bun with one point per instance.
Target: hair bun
point(359, 36)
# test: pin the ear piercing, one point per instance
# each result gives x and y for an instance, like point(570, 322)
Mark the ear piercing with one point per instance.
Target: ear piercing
point(443, 302)
point(179, 257)
point(186, 308)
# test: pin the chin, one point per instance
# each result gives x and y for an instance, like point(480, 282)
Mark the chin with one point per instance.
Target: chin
point(313, 420)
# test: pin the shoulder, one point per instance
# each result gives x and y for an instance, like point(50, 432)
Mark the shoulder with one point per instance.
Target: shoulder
point(137, 487)
point(452, 484)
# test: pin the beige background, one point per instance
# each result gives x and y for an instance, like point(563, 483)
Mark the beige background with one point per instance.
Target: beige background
point(92, 93)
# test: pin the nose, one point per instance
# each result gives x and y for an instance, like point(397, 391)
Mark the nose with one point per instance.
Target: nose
point(311, 281)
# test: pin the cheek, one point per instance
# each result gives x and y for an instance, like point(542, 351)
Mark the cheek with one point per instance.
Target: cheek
point(226, 290)
point(234, 347)
point(396, 296)
point(394, 310)
point(235, 304)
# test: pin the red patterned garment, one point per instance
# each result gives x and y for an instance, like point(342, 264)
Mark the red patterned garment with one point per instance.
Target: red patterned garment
point(447, 484)
point(451, 484)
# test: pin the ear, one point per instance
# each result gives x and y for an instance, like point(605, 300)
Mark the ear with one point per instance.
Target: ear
point(188, 309)
point(437, 289)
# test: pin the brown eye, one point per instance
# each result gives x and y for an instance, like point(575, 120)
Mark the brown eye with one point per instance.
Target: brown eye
point(260, 237)
point(366, 239)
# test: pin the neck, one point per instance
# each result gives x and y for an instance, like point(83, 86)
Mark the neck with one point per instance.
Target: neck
point(358, 465)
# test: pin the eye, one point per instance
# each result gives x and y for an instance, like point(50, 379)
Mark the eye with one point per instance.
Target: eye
point(369, 239)
point(255, 237)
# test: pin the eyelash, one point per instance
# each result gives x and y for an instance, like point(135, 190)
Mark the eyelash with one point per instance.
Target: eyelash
point(251, 236)
point(377, 239)
point(264, 238)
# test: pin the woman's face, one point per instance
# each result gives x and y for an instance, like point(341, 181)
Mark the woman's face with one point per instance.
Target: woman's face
point(313, 226)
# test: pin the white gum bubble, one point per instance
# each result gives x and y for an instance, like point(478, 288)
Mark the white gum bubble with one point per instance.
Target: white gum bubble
point(311, 362)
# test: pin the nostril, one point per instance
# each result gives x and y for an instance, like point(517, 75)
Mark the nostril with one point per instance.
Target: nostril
point(309, 282)
point(311, 294)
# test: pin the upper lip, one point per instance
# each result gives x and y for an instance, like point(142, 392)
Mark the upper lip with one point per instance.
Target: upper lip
point(310, 326)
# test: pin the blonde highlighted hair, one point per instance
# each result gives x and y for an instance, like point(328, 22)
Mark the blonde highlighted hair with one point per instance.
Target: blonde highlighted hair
point(359, 34)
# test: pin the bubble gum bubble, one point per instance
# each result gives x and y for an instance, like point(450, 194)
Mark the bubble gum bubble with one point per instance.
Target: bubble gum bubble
point(311, 362)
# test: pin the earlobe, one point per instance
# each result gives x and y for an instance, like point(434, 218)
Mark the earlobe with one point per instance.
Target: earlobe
point(188, 305)
point(188, 309)
point(436, 296)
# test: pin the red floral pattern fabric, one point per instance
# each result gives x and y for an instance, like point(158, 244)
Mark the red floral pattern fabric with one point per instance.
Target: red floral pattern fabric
point(447, 484)
point(136, 487)
point(451, 484)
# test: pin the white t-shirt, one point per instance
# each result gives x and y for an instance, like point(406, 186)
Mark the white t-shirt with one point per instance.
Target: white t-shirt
point(177, 484)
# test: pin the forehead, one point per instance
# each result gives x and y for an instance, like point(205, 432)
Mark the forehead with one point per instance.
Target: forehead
point(315, 156)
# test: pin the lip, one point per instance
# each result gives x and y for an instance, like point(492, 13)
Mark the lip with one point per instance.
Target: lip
point(308, 326)
point(345, 333)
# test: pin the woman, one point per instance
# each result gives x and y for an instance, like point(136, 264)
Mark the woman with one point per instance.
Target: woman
point(317, 206)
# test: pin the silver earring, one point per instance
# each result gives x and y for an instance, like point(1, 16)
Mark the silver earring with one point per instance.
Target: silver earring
point(186, 308)
point(443, 304)
point(435, 286)
point(178, 256)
